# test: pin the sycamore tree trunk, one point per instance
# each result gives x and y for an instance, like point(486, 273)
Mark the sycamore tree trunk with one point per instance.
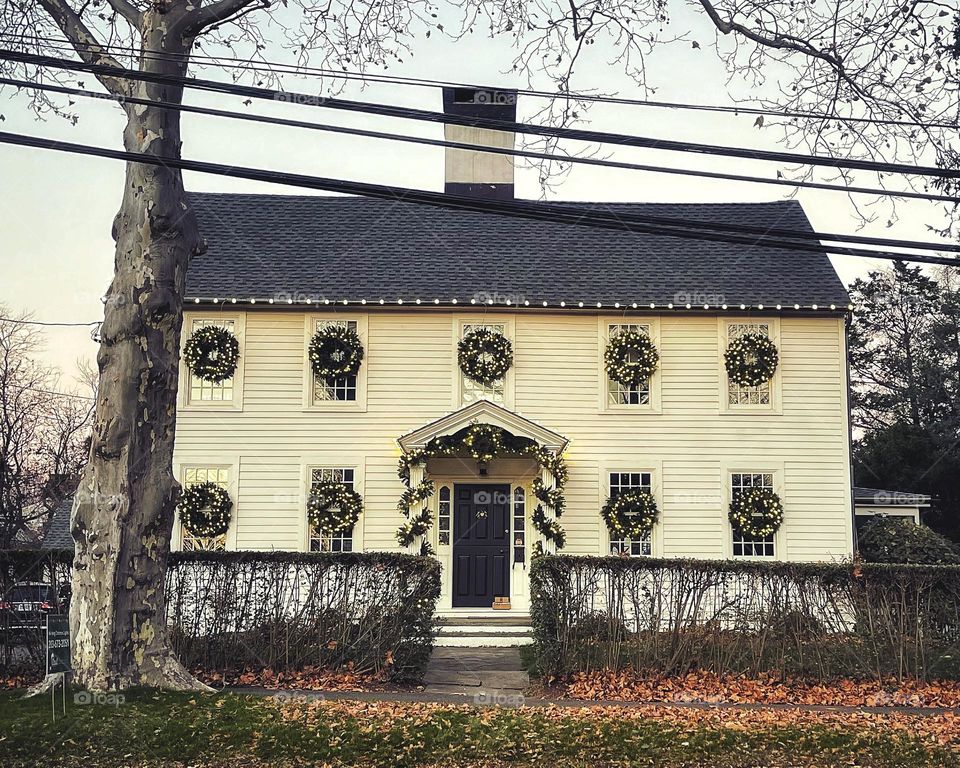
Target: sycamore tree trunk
point(124, 508)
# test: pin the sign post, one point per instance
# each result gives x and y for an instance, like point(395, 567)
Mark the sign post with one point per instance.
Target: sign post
point(58, 656)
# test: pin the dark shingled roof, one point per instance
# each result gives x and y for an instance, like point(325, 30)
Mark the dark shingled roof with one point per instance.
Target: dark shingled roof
point(57, 535)
point(263, 246)
point(880, 497)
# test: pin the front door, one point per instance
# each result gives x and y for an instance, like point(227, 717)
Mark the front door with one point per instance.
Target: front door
point(481, 545)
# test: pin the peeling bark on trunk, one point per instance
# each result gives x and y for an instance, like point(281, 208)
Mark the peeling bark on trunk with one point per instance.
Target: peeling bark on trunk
point(123, 514)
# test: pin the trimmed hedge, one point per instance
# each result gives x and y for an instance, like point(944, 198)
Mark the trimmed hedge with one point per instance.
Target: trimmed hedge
point(369, 612)
point(900, 540)
point(745, 617)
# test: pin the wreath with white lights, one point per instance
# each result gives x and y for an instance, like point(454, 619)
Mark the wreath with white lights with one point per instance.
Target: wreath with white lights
point(335, 351)
point(631, 358)
point(484, 441)
point(751, 359)
point(333, 507)
point(205, 509)
point(631, 514)
point(211, 353)
point(485, 355)
point(756, 512)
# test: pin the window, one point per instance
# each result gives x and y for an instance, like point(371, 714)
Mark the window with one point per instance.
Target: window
point(622, 481)
point(341, 541)
point(195, 476)
point(473, 390)
point(443, 516)
point(743, 547)
point(343, 388)
point(519, 524)
point(740, 395)
point(621, 394)
point(202, 391)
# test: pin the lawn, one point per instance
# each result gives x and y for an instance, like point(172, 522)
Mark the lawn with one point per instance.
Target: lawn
point(161, 729)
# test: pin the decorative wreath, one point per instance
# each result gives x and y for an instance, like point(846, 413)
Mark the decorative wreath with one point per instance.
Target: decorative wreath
point(756, 512)
point(631, 514)
point(335, 351)
point(631, 358)
point(333, 507)
point(751, 359)
point(205, 509)
point(484, 355)
point(211, 353)
point(484, 441)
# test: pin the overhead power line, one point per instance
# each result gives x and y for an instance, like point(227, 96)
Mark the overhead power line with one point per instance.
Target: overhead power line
point(270, 120)
point(266, 66)
point(384, 110)
point(50, 392)
point(39, 322)
point(557, 213)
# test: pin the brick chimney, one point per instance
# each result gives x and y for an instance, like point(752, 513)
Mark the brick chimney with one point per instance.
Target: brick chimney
point(479, 174)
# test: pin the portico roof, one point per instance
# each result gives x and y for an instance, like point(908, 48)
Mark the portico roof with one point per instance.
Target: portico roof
point(484, 412)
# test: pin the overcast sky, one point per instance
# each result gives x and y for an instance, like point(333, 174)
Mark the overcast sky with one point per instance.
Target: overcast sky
point(57, 209)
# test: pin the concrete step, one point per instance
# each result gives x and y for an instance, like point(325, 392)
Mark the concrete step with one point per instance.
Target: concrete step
point(475, 635)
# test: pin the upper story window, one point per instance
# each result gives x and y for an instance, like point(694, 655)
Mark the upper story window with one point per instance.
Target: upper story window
point(470, 390)
point(623, 394)
point(195, 476)
point(738, 394)
point(743, 546)
point(200, 390)
point(343, 388)
point(340, 541)
point(621, 481)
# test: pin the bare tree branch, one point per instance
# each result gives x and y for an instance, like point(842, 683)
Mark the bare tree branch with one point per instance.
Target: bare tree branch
point(127, 10)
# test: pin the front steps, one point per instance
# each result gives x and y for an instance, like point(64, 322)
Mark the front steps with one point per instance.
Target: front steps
point(486, 676)
point(483, 631)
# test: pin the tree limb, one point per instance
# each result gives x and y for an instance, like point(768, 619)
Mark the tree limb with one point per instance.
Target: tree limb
point(217, 13)
point(127, 10)
point(83, 41)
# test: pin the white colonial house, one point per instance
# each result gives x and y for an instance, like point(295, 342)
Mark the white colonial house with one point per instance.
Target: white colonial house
point(413, 281)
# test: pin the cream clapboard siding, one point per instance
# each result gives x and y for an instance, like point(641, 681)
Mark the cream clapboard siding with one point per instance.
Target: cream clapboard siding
point(690, 445)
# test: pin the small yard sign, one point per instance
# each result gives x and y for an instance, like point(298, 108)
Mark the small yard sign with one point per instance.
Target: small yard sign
point(58, 643)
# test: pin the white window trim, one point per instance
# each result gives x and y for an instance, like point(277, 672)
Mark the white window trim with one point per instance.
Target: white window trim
point(236, 404)
point(308, 463)
point(775, 406)
point(509, 383)
point(309, 328)
point(868, 511)
point(230, 462)
point(603, 322)
point(655, 468)
point(761, 466)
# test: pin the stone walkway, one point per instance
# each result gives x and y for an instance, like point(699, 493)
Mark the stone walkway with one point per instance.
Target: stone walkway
point(489, 675)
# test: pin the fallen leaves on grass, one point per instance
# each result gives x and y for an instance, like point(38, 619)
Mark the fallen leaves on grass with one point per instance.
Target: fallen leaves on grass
point(307, 679)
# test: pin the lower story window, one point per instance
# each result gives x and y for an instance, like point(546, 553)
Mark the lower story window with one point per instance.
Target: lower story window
point(744, 546)
point(443, 516)
point(195, 476)
point(340, 541)
point(519, 524)
point(619, 482)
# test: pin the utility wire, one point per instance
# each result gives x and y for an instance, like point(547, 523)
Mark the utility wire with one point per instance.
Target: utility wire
point(477, 122)
point(49, 392)
point(39, 322)
point(209, 111)
point(266, 66)
point(568, 214)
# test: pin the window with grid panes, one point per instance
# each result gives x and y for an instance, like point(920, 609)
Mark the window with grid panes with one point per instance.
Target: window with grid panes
point(202, 391)
point(619, 482)
point(195, 476)
point(742, 546)
point(340, 541)
point(519, 524)
point(623, 394)
point(738, 394)
point(473, 390)
point(443, 516)
point(342, 388)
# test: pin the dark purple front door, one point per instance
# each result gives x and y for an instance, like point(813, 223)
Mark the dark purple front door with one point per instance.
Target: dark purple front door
point(481, 545)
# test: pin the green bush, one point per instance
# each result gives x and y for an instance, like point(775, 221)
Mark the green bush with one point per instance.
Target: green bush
point(885, 539)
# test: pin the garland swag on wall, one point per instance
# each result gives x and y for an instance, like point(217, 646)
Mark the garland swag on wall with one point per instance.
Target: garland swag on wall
point(211, 353)
point(335, 351)
point(485, 355)
point(205, 509)
point(751, 359)
point(482, 442)
point(756, 512)
point(332, 507)
point(630, 358)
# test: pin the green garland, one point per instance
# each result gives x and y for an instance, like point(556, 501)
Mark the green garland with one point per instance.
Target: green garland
point(631, 514)
point(333, 507)
point(335, 351)
point(549, 528)
point(205, 509)
point(631, 358)
point(211, 353)
point(756, 512)
point(484, 355)
point(483, 442)
point(751, 359)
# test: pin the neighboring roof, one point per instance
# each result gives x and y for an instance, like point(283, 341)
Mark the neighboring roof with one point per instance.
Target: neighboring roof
point(335, 248)
point(880, 497)
point(57, 535)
